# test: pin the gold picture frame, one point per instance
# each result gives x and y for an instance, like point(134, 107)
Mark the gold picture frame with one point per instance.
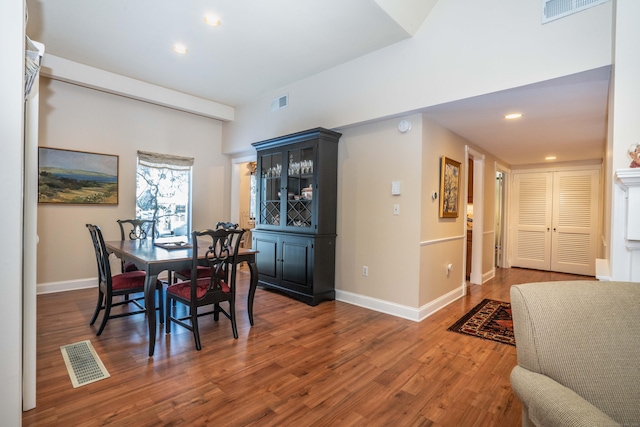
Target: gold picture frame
point(449, 188)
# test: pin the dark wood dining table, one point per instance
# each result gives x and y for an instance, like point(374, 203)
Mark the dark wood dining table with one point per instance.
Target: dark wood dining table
point(153, 260)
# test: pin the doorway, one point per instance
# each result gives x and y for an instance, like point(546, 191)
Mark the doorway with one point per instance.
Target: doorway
point(474, 231)
point(555, 220)
point(243, 191)
point(499, 219)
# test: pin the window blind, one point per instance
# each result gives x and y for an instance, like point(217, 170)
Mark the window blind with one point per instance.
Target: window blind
point(164, 161)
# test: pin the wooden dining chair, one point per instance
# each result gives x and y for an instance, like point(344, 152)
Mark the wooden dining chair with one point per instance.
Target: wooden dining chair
point(111, 286)
point(219, 286)
point(203, 271)
point(140, 229)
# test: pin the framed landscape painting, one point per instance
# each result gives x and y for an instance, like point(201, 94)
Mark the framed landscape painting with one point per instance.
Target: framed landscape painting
point(77, 177)
point(449, 188)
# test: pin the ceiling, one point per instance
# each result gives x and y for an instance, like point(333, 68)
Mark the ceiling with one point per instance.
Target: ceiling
point(261, 46)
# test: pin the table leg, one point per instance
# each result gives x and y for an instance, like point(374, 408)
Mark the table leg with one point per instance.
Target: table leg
point(150, 306)
point(252, 289)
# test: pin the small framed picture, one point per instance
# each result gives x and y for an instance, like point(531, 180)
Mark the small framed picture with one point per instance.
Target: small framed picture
point(77, 177)
point(449, 188)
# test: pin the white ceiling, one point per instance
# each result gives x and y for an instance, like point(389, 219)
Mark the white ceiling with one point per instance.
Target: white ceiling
point(264, 45)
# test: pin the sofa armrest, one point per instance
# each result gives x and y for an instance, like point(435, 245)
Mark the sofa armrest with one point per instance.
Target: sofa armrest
point(550, 404)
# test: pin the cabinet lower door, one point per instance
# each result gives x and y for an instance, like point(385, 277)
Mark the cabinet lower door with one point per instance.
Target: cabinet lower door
point(296, 263)
point(267, 257)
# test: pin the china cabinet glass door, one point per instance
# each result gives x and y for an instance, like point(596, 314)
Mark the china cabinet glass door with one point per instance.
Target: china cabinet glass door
point(270, 197)
point(300, 188)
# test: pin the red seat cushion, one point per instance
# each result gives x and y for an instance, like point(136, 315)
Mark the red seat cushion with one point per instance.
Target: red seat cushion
point(131, 280)
point(202, 272)
point(183, 289)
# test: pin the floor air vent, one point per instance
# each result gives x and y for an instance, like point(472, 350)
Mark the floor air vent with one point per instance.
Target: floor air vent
point(83, 364)
point(556, 9)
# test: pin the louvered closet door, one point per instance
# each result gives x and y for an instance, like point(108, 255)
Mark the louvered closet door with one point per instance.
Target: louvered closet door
point(575, 222)
point(532, 194)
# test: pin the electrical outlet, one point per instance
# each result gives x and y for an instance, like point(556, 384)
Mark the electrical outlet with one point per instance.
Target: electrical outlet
point(396, 209)
point(365, 270)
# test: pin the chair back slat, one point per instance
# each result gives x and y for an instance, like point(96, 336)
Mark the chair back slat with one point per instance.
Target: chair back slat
point(102, 255)
point(140, 229)
point(220, 256)
point(225, 225)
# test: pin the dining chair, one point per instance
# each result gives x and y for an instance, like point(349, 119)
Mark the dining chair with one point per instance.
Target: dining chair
point(203, 271)
point(123, 284)
point(140, 230)
point(219, 286)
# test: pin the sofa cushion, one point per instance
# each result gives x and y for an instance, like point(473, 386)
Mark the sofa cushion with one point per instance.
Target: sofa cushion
point(584, 335)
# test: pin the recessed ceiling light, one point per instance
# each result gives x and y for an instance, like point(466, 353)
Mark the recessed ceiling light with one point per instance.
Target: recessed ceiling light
point(513, 116)
point(212, 20)
point(550, 158)
point(179, 48)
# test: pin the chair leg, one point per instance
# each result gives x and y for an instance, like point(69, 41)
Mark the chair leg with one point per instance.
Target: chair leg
point(194, 325)
point(161, 302)
point(232, 314)
point(98, 307)
point(216, 311)
point(167, 320)
point(107, 313)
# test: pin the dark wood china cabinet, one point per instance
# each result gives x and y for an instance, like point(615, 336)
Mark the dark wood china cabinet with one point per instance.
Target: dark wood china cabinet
point(295, 230)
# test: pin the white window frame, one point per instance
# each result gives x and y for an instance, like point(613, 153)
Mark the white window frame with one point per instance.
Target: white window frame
point(168, 163)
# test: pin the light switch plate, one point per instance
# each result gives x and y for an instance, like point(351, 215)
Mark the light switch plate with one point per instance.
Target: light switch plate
point(395, 188)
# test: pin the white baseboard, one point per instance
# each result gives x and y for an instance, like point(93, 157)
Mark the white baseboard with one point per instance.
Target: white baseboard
point(70, 285)
point(399, 310)
point(489, 275)
point(441, 302)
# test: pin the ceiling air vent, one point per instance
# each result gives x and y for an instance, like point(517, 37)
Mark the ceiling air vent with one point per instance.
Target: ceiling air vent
point(555, 9)
point(279, 103)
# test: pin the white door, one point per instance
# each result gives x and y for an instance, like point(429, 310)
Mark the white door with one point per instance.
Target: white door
point(575, 220)
point(556, 221)
point(532, 195)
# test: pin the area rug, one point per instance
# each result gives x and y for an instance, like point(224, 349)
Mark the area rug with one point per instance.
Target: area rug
point(83, 364)
point(490, 320)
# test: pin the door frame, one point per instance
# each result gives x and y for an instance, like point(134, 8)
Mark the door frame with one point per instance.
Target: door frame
point(506, 194)
point(477, 231)
point(234, 207)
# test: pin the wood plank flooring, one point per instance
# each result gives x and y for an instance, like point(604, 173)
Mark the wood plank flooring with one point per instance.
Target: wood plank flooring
point(331, 365)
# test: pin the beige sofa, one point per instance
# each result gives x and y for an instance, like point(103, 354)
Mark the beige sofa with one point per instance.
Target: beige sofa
point(578, 345)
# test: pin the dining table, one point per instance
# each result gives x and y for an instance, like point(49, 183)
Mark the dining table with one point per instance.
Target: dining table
point(154, 257)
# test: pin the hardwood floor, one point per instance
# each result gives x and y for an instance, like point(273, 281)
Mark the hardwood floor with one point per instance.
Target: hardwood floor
point(333, 364)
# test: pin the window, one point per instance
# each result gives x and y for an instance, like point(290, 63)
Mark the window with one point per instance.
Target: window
point(163, 192)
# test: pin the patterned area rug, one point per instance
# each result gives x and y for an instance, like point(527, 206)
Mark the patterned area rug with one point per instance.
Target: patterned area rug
point(490, 320)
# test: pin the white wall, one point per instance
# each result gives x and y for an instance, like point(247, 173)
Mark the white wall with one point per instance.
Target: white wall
point(406, 254)
point(369, 158)
point(11, 135)
point(442, 239)
point(465, 48)
point(77, 118)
